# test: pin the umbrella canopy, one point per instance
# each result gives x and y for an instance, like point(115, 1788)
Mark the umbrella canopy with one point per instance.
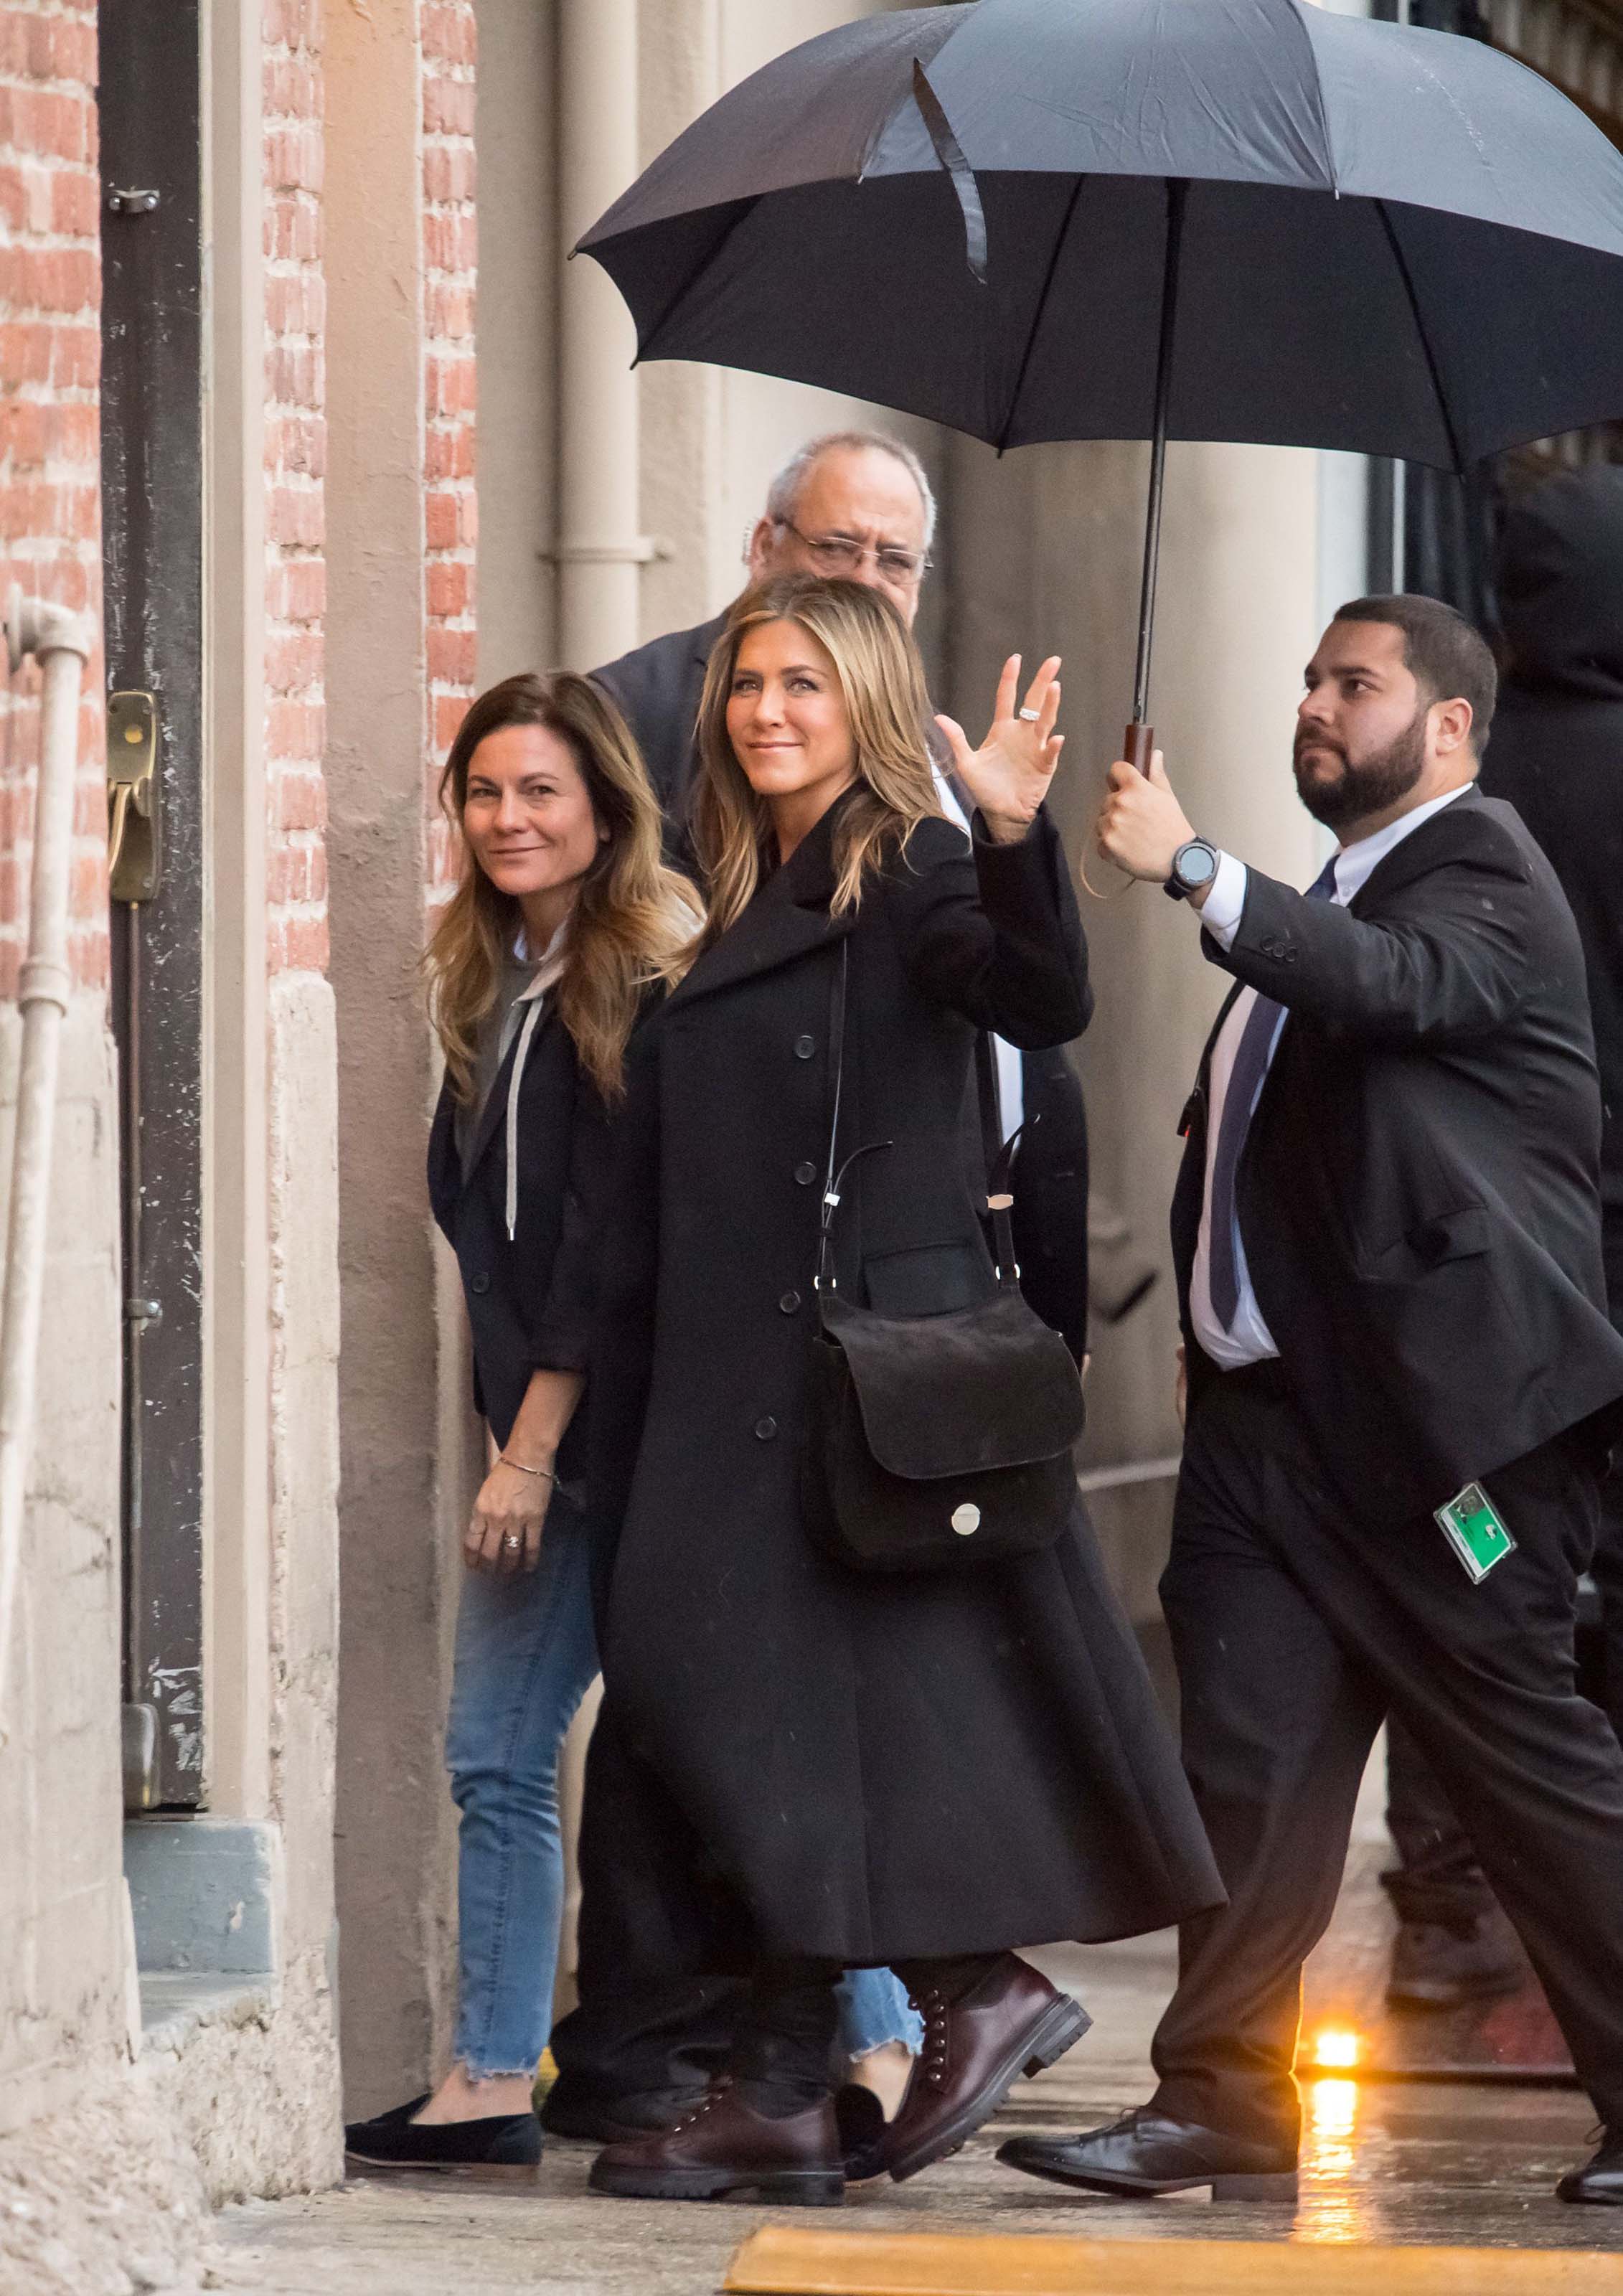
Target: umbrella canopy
point(1394, 242)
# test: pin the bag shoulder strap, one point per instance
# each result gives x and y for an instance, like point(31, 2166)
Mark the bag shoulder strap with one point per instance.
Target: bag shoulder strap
point(999, 1153)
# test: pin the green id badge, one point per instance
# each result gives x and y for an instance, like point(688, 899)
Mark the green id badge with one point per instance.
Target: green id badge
point(1473, 1529)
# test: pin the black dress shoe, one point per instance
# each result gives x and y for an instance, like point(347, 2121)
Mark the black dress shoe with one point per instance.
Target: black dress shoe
point(1599, 2181)
point(1440, 1964)
point(1149, 2153)
point(621, 2120)
point(505, 2144)
point(725, 2146)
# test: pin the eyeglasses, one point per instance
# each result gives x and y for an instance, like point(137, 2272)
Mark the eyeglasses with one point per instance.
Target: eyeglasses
point(842, 553)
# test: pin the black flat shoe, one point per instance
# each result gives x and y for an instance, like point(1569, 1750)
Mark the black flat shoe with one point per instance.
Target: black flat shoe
point(1149, 2153)
point(1600, 2181)
point(506, 2145)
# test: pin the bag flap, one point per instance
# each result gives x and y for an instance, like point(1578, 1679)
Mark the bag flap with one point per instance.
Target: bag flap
point(980, 1388)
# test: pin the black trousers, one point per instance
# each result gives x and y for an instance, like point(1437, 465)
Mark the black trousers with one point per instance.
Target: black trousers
point(664, 1959)
point(1438, 1876)
point(1296, 1624)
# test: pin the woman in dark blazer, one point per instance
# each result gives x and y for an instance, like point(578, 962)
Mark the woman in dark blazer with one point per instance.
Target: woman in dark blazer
point(923, 1771)
point(564, 926)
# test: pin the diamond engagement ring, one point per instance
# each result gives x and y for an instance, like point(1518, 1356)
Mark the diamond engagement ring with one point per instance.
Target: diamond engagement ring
point(1030, 716)
point(512, 1539)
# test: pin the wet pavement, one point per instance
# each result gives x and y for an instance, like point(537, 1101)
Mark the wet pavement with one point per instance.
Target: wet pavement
point(1387, 2163)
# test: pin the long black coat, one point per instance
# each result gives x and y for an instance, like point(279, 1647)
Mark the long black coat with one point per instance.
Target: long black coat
point(531, 1301)
point(877, 1769)
point(1419, 1189)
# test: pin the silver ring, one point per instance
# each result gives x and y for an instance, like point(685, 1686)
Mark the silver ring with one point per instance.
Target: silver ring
point(513, 1539)
point(1030, 716)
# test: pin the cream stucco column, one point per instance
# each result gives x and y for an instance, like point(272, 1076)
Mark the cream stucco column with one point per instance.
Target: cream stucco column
point(600, 548)
point(400, 1569)
point(236, 1235)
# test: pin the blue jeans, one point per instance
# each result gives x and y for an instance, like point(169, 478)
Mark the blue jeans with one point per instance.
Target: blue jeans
point(526, 1656)
point(873, 2010)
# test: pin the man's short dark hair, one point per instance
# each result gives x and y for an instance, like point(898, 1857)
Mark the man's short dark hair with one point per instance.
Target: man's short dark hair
point(1450, 660)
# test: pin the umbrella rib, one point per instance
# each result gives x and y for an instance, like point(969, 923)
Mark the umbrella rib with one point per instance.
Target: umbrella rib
point(1040, 313)
point(1401, 260)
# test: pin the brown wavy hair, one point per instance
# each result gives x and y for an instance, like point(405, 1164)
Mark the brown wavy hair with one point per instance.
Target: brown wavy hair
point(882, 681)
point(633, 916)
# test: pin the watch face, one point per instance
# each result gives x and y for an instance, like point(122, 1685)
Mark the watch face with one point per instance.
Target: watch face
point(1196, 866)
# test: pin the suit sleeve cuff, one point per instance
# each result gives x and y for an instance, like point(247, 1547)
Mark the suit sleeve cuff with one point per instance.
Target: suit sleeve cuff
point(1224, 906)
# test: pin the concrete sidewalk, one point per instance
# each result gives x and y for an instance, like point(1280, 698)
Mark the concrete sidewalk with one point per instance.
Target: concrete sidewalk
point(1389, 2163)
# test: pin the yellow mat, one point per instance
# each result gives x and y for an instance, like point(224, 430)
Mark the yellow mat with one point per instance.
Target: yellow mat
point(779, 2262)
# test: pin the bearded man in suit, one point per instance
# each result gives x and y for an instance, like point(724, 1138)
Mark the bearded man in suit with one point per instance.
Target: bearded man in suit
point(1402, 1384)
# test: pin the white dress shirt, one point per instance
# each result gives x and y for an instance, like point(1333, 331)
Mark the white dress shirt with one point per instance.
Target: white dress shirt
point(1011, 1075)
point(1248, 1339)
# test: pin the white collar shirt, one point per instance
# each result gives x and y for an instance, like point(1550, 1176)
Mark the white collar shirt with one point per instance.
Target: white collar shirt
point(1248, 1339)
point(1011, 1075)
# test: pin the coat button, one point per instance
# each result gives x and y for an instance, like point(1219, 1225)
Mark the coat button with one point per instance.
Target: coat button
point(789, 1303)
point(765, 1429)
point(804, 1047)
point(479, 1285)
point(804, 1174)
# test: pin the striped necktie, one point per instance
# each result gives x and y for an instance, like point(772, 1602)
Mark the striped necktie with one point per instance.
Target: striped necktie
point(1252, 1056)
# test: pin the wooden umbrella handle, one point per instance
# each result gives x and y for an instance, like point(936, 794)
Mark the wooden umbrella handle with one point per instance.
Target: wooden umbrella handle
point(1138, 747)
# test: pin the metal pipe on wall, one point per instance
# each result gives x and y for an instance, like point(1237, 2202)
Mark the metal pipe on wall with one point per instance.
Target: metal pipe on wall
point(61, 642)
point(600, 548)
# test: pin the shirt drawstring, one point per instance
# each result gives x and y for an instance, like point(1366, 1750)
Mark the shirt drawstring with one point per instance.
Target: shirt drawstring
point(519, 1059)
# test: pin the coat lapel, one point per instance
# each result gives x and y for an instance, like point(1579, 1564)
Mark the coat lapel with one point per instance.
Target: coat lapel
point(787, 919)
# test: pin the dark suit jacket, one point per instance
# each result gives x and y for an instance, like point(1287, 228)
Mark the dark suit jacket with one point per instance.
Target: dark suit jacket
point(1419, 1191)
point(530, 1303)
point(657, 690)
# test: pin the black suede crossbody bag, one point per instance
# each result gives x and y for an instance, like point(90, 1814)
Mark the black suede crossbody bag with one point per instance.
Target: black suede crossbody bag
point(935, 1442)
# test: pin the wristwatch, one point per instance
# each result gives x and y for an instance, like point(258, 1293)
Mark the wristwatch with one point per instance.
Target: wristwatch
point(1194, 867)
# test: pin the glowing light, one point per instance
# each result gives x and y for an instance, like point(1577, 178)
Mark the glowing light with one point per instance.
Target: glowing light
point(1332, 2109)
point(1332, 2048)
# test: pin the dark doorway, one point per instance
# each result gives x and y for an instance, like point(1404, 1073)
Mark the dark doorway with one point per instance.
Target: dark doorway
point(151, 500)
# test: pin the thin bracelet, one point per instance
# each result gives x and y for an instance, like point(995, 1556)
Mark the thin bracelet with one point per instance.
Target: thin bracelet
point(523, 1470)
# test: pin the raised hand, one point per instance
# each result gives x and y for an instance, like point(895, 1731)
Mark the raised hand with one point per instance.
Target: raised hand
point(1008, 776)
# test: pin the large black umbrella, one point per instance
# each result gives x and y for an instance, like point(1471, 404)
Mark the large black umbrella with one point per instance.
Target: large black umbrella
point(1223, 219)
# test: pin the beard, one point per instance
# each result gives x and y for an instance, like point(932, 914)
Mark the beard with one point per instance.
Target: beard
point(1366, 785)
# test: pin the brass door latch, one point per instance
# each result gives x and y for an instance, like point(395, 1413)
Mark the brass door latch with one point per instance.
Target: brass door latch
point(135, 829)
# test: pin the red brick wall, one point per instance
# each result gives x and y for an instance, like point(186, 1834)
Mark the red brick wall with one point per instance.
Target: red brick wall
point(450, 509)
point(295, 445)
point(50, 437)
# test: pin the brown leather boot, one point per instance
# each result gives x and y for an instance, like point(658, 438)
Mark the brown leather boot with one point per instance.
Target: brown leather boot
point(725, 2146)
point(979, 2035)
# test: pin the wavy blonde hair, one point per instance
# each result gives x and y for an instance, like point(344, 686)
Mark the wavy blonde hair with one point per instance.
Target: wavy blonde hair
point(882, 682)
point(632, 917)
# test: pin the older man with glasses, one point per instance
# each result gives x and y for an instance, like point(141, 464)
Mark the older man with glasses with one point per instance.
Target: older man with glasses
point(853, 503)
point(857, 505)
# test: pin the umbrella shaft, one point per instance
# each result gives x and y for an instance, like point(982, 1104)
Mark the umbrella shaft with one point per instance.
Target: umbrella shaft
point(1176, 193)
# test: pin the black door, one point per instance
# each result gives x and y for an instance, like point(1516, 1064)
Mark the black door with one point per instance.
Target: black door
point(152, 497)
